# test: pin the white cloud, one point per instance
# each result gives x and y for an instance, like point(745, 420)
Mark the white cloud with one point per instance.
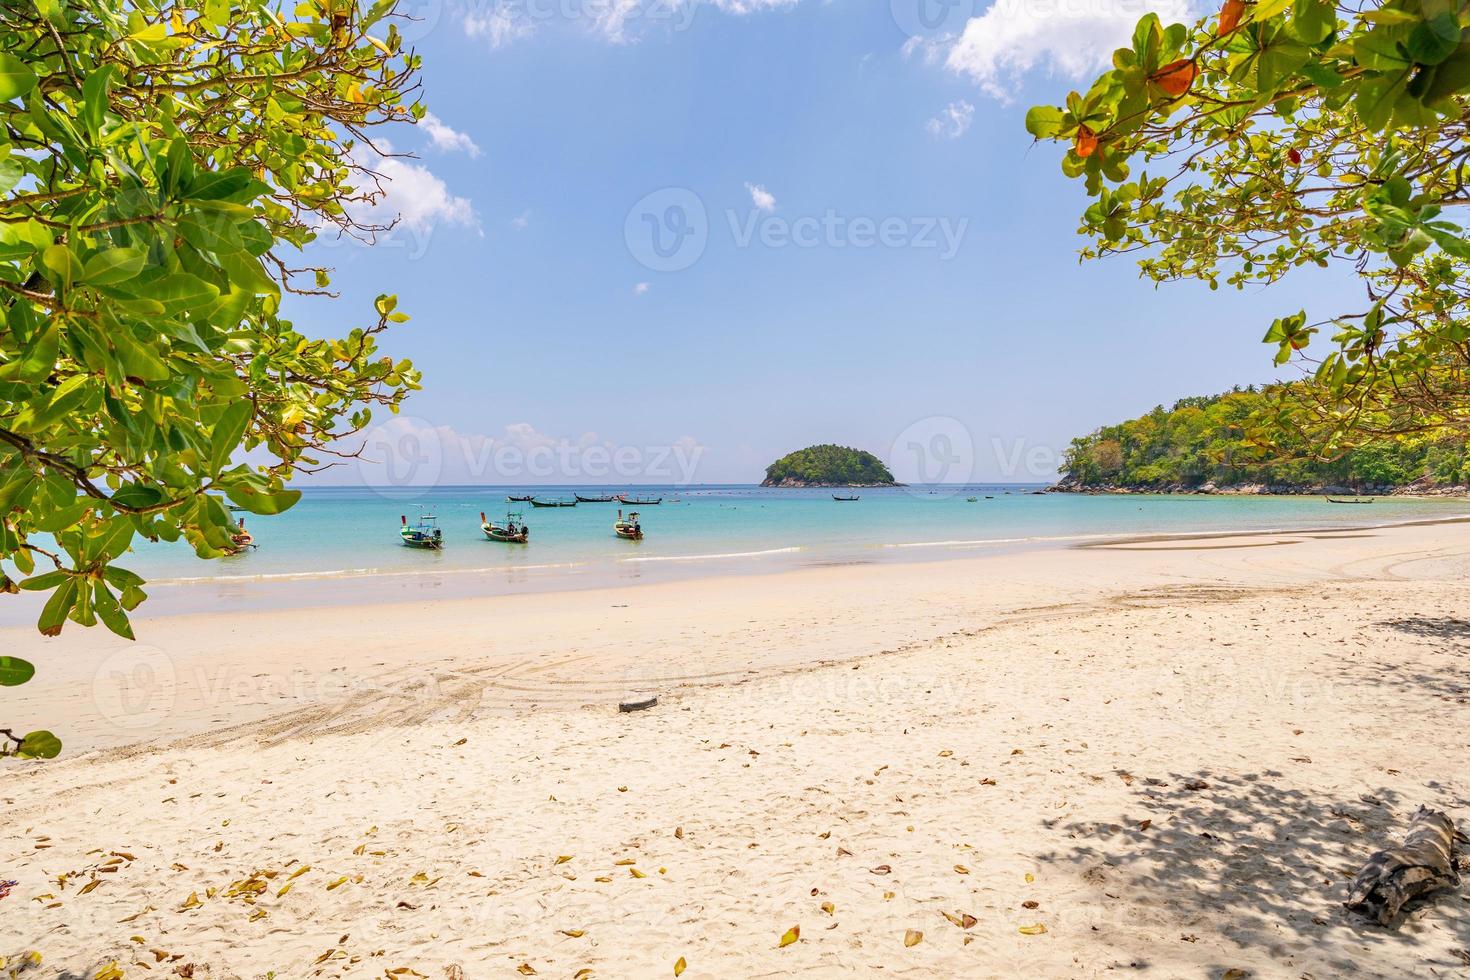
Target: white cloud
point(498, 23)
point(404, 456)
point(930, 50)
point(402, 196)
point(1015, 37)
point(418, 198)
point(640, 288)
point(444, 137)
point(521, 221)
point(740, 8)
point(763, 199)
point(953, 122)
point(502, 22)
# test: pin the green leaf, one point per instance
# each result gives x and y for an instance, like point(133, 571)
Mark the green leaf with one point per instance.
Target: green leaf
point(138, 360)
point(1044, 122)
point(225, 185)
point(16, 79)
point(138, 496)
point(1312, 21)
point(15, 671)
point(94, 99)
point(61, 260)
point(113, 265)
point(110, 612)
point(263, 503)
point(228, 432)
point(38, 362)
point(57, 608)
point(1433, 41)
point(151, 34)
point(210, 232)
point(180, 291)
point(39, 745)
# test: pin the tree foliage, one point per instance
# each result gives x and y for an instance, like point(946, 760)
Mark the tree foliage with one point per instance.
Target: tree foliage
point(829, 465)
point(1290, 133)
point(161, 162)
point(1229, 440)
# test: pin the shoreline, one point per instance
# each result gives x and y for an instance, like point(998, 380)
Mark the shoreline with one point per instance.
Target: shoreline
point(250, 667)
point(866, 752)
point(306, 590)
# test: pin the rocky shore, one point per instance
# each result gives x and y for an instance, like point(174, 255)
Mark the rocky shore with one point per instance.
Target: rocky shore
point(1420, 488)
point(792, 483)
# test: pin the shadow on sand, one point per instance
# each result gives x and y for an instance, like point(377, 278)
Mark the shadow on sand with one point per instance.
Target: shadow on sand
point(1267, 866)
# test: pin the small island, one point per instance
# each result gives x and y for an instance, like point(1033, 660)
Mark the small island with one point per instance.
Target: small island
point(828, 466)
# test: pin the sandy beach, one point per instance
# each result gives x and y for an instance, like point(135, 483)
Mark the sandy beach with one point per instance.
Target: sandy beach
point(1157, 757)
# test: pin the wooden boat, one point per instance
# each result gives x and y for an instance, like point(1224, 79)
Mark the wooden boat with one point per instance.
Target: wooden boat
point(974, 500)
point(1333, 500)
point(425, 534)
point(628, 529)
point(845, 499)
point(513, 531)
point(593, 500)
point(553, 503)
point(519, 500)
point(635, 502)
point(241, 540)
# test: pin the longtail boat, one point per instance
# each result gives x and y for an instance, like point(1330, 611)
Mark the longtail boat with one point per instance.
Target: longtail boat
point(593, 500)
point(635, 502)
point(1332, 500)
point(628, 529)
point(241, 540)
point(553, 503)
point(845, 499)
point(513, 531)
point(425, 534)
point(519, 500)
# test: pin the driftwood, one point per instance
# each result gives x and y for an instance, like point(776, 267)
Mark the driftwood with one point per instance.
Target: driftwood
point(637, 702)
point(1424, 863)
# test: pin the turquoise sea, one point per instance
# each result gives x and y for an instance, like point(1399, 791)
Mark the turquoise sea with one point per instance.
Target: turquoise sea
point(342, 544)
point(337, 532)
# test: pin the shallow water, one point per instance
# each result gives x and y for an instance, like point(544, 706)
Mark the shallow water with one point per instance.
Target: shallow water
point(354, 532)
point(341, 545)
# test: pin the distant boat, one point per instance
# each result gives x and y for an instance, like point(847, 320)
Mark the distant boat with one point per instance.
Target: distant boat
point(635, 502)
point(424, 534)
point(974, 500)
point(1333, 500)
point(519, 500)
point(553, 503)
point(593, 500)
point(845, 499)
point(628, 529)
point(513, 531)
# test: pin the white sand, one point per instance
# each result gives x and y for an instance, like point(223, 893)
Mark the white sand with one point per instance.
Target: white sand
point(963, 725)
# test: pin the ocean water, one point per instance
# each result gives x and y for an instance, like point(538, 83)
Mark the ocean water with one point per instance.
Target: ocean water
point(354, 532)
point(341, 545)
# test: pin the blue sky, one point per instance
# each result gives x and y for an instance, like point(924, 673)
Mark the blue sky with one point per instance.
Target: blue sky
point(543, 316)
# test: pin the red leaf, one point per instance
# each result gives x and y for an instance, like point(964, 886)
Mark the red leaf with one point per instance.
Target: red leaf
point(1086, 142)
point(1229, 17)
point(1176, 77)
